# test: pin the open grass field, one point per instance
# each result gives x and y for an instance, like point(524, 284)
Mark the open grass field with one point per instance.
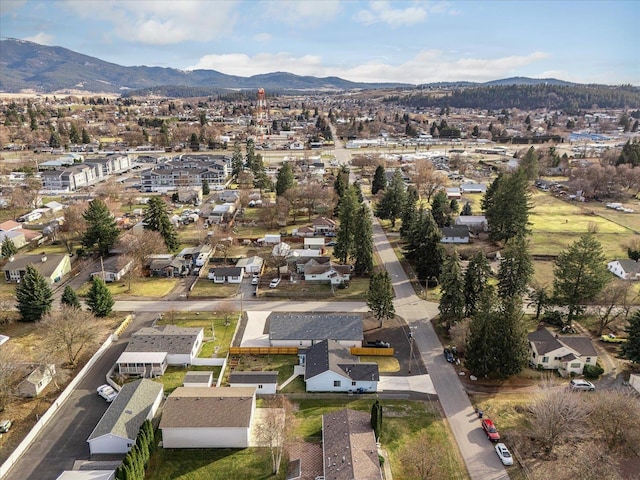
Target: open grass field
point(151, 287)
point(206, 288)
point(283, 364)
point(174, 376)
point(218, 335)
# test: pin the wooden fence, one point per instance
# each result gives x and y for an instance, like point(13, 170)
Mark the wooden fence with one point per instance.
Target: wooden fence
point(380, 352)
point(263, 350)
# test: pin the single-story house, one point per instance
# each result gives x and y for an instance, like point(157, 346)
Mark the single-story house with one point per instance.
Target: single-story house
point(625, 268)
point(37, 380)
point(303, 261)
point(303, 232)
point(118, 428)
point(114, 269)
point(330, 367)
point(265, 383)
point(473, 188)
point(10, 225)
point(349, 447)
point(52, 266)
point(334, 274)
point(270, 239)
point(87, 475)
point(306, 329)
point(568, 353)
point(314, 243)
point(322, 225)
point(457, 234)
point(475, 223)
point(226, 274)
point(151, 349)
point(453, 193)
point(167, 266)
point(208, 417)
point(196, 256)
point(251, 264)
point(16, 236)
point(54, 207)
point(198, 379)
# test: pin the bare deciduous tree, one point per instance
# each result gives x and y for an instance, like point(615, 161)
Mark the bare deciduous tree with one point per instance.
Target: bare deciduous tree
point(558, 415)
point(424, 465)
point(274, 431)
point(613, 304)
point(616, 420)
point(427, 179)
point(226, 309)
point(67, 332)
point(74, 225)
point(9, 372)
point(459, 333)
point(136, 248)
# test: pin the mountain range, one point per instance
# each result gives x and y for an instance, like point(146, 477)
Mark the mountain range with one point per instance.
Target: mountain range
point(30, 67)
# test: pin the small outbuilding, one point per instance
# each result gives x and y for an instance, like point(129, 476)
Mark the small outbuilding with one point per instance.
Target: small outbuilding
point(265, 383)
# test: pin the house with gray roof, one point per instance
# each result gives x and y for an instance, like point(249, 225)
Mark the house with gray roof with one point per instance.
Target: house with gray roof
point(198, 379)
point(118, 428)
point(330, 367)
point(567, 353)
point(52, 267)
point(216, 417)
point(226, 274)
point(625, 268)
point(306, 329)
point(349, 448)
point(455, 234)
point(265, 383)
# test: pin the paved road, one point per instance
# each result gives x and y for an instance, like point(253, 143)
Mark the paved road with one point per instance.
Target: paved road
point(64, 439)
point(245, 304)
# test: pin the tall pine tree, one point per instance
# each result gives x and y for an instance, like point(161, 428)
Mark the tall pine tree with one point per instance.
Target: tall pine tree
point(452, 299)
point(506, 206)
point(380, 296)
point(476, 279)
point(363, 241)
point(379, 181)
point(70, 298)
point(33, 295)
point(424, 248)
point(156, 219)
point(345, 238)
point(390, 205)
point(102, 229)
point(515, 270)
point(99, 299)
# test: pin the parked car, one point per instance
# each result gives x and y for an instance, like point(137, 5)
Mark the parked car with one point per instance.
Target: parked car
point(611, 338)
point(107, 392)
point(491, 430)
point(255, 280)
point(274, 283)
point(504, 454)
point(578, 384)
point(378, 344)
point(331, 244)
point(5, 425)
point(448, 355)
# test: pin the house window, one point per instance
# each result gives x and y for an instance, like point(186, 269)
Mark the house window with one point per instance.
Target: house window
point(575, 365)
point(353, 384)
point(588, 359)
point(259, 387)
point(545, 359)
point(534, 354)
point(336, 383)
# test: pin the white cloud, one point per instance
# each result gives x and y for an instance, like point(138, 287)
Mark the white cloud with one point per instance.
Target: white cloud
point(427, 66)
point(383, 12)
point(296, 11)
point(41, 38)
point(262, 37)
point(162, 22)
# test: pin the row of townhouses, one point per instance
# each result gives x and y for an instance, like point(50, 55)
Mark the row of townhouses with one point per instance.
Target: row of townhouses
point(187, 171)
point(74, 177)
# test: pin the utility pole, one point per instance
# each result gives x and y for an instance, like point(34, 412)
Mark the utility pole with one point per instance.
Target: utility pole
point(411, 345)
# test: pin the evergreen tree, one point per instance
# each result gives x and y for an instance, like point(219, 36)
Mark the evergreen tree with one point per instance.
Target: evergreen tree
point(74, 134)
point(476, 279)
point(8, 248)
point(424, 248)
point(376, 419)
point(480, 354)
point(529, 164)
point(515, 270)
point(511, 343)
point(409, 211)
point(380, 296)
point(631, 349)
point(251, 154)
point(452, 290)
point(580, 274)
point(237, 163)
point(156, 219)
point(284, 179)
point(70, 297)
point(99, 299)
point(85, 136)
point(379, 181)
point(392, 202)
point(466, 209)
point(506, 205)
point(440, 209)
point(102, 229)
point(345, 238)
point(363, 241)
point(33, 295)
point(205, 187)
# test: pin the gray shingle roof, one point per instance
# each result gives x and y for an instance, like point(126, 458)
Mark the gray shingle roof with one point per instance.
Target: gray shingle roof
point(629, 265)
point(544, 341)
point(189, 407)
point(166, 338)
point(227, 271)
point(315, 326)
point(253, 377)
point(582, 345)
point(129, 410)
point(330, 355)
point(350, 451)
point(197, 377)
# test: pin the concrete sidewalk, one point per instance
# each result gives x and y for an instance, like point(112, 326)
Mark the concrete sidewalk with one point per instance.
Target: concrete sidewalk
point(416, 383)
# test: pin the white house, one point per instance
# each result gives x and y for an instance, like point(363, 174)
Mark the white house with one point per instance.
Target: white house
point(568, 353)
point(334, 274)
point(265, 383)
point(324, 225)
point(198, 379)
point(143, 364)
point(52, 267)
point(314, 243)
point(118, 428)
point(113, 269)
point(37, 380)
point(626, 269)
point(226, 274)
point(473, 188)
point(208, 417)
point(251, 264)
point(306, 329)
point(330, 367)
point(458, 234)
point(476, 223)
point(87, 475)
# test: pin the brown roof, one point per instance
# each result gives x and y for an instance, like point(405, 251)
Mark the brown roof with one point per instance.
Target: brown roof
point(9, 225)
point(189, 407)
point(350, 451)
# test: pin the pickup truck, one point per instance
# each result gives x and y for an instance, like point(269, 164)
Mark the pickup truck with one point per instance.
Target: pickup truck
point(611, 338)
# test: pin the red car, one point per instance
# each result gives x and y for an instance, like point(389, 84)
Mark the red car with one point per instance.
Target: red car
point(491, 430)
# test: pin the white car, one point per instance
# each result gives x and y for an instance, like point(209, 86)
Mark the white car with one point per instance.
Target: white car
point(504, 454)
point(255, 280)
point(107, 392)
point(274, 283)
point(577, 384)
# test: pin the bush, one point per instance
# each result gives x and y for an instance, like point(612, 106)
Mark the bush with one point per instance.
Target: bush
point(592, 371)
point(553, 317)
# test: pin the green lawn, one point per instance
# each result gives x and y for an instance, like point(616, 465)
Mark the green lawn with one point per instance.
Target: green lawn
point(283, 364)
point(206, 288)
point(218, 347)
point(151, 287)
point(385, 364)
point(174, 376)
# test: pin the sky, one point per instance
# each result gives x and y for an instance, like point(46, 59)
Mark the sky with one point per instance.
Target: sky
point(584, 41)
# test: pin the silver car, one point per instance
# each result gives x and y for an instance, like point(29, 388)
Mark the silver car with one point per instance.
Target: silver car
point(578, 384)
